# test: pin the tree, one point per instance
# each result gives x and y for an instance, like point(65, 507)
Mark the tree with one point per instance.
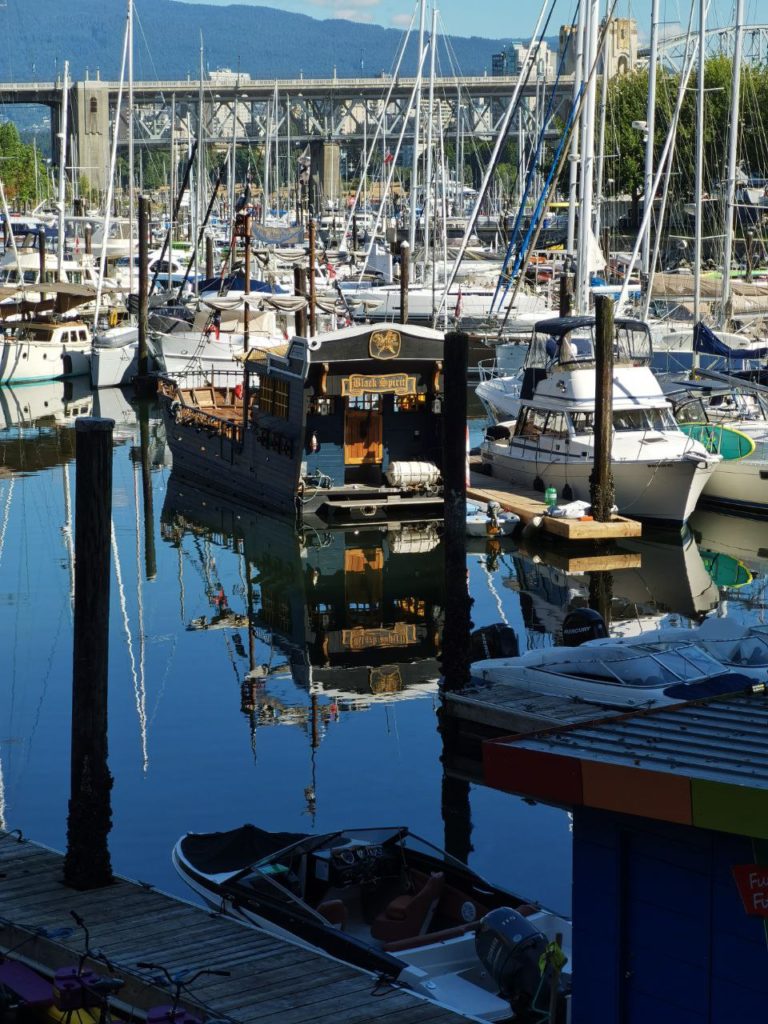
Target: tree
point(18, 169)
point(627, 102)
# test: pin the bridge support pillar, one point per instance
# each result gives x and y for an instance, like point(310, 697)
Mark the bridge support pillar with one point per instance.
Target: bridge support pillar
point(91, 108)
point(326, 175)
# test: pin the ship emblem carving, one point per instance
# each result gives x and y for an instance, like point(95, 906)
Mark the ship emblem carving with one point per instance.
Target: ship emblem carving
point(385, 345)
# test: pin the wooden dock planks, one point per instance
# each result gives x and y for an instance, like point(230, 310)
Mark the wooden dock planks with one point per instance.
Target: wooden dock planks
point(271, 981)
point(509, 709)
point(531, 509)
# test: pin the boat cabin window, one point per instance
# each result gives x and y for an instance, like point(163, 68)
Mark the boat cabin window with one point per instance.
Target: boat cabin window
point(30, 276)
point(583, 422)
point(532, 423)
point(642, 419)
point(273, 396)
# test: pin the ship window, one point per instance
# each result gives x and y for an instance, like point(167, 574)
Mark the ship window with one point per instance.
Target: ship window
point(30, 276)
point(370, 401)
point(82, 335)
point(629, 419)
point(410, 403)
point(273, 396)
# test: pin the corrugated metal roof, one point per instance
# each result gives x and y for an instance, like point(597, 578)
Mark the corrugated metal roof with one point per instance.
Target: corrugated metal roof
point(721, 741)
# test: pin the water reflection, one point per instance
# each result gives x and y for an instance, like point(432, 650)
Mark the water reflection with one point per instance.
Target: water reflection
point(323, 622)
point(247, 627)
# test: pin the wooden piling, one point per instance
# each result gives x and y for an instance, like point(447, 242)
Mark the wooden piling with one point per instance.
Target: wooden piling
point(312, 314)
point(455, 650)
point(354, 232)
point(405, 271)
point(41, 254)
point(88, 236)
point(87, 863)
point(246, 324)
point(566, 293)
point(300, 289)
point(208, 257)
point(601, 479)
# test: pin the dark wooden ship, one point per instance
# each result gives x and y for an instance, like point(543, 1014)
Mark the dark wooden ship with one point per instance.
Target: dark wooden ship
point(342, 427)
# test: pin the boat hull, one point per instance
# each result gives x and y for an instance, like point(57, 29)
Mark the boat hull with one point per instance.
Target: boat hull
point(26, 361)
point(663, 490)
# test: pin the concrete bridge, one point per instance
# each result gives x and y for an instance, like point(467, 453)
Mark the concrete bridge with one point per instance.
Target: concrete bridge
point(331, 111)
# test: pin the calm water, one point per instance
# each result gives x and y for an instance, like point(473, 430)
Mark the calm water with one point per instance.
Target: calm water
point(327, 717)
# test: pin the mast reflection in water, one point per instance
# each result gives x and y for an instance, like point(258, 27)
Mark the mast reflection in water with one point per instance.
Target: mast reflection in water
point(246, 627)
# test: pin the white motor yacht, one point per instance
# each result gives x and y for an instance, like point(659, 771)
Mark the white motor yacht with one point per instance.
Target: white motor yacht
point(731, 420)
point(658, 471)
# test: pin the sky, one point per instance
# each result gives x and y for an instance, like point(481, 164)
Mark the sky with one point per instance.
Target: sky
point(497, 19)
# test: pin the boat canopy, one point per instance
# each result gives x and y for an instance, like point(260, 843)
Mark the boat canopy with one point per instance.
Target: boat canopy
point(566, 340)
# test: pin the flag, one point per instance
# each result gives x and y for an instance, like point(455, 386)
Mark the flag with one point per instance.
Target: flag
point(388, 157)
point(457, 310)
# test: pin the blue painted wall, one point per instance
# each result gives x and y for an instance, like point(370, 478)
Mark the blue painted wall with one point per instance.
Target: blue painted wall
point(660, 933)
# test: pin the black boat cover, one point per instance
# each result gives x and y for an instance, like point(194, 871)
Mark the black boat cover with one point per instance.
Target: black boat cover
point(214, 853)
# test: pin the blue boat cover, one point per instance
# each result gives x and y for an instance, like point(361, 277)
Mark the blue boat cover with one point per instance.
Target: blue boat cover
point(706, 342)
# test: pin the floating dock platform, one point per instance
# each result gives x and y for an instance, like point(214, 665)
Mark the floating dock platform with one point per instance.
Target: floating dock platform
point(532, 509)
point(270, 981)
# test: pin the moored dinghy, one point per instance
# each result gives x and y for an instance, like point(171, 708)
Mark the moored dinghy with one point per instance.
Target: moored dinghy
point(390, 903)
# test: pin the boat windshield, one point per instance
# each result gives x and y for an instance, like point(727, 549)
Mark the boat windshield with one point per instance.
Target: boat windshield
point(571, 340)
point(643, 419)
point(650, 666)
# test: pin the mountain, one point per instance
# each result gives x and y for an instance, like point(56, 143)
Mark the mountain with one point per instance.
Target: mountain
point(39, 35)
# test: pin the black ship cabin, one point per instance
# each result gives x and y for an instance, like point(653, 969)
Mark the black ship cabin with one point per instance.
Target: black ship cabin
point(346, 426)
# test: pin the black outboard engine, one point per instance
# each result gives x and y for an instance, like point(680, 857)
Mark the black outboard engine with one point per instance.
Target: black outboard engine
point(495, 641)
point(509, 947)
point(583, 624)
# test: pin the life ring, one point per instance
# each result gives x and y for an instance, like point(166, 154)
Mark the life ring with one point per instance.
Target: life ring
point(113, 317)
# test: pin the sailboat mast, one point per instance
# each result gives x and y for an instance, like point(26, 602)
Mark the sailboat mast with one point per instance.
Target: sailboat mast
point(573, 178)
point(131, 197)
point(200, 170)
point(430, 111)
point(600, 169)
point(416, 126)
point(733, 140)
point(62, 169)
point(699, 221)
point(650, 129)
point(587, 159)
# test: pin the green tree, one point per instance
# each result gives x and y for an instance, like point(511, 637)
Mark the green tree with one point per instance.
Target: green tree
point(17, 166)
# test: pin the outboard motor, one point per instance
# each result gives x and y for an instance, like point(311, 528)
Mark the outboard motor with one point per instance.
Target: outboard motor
point(496, 641)
point(509, 947)
point(583, 624)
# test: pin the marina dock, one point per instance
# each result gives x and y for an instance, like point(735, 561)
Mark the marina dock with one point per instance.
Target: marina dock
point(129, 922)
point(531, 508)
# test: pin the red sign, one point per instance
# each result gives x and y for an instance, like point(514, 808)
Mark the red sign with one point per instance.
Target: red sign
point(752, 882)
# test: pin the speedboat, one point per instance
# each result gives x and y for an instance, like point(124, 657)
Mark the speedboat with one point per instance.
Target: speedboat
point(490, 520)
point(736, 647)
point(387, 902)
point(658, 471)
point(621, 673)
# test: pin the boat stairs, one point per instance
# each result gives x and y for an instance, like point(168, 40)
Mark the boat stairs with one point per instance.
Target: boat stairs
point(129, 922)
